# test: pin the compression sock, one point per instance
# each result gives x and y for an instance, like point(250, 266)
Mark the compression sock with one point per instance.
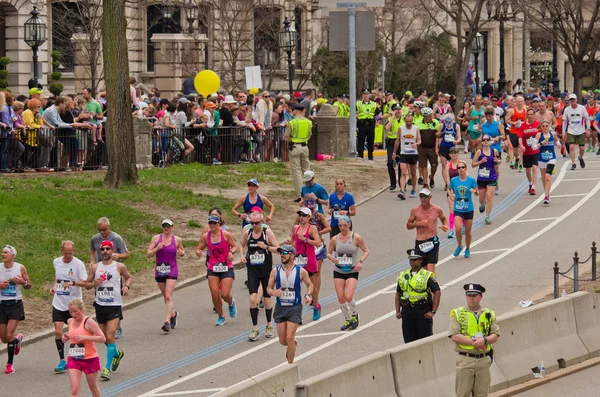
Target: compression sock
point(254, 315)
point(11, 350)
point(352, 306)
point(269, 314)
point(451, 221)
point(111, 353)
point(345, 311)
point(60, 346)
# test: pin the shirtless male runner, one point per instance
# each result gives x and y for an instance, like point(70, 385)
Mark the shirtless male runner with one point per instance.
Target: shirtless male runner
point(543, 114)
point(424, 218)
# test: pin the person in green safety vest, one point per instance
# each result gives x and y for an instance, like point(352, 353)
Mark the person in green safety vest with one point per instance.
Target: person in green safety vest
point(391, 134)
point(473, 329)
point(340, 107)
point(297, 134)
point(388, 105)
point(366, 110)
point(417, 298)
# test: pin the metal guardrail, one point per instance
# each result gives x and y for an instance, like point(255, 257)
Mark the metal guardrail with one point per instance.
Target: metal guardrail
point(575, 267)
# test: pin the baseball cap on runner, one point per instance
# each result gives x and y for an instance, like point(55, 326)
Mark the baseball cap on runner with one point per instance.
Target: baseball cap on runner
point(304, 211)
point(308, 175)
point(572, 96)
point(425, 192)
point(214, 218)
point(167, 221)
point(253, 181)
point(107, 243)
point(286, 248)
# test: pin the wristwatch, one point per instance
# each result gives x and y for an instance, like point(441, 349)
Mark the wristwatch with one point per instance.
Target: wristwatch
point(485, 340)
point(433, 312)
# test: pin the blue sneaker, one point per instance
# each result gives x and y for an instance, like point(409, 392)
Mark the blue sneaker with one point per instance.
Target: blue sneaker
point(467, 253)
point(481, 208)
point(232, 309)
point(118, 333)
point(61, 367)
point(412, 194)
point(451, 234)
point(457, 250)
point(220, 321)
point(317, 312)
point(173, 323)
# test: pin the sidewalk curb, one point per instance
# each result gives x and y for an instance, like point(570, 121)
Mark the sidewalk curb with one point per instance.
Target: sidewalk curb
point(137, 302)
point(561, 373)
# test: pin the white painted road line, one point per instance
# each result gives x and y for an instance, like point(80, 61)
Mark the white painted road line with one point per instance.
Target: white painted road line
point(489, 251)
point(321, 334)
point(536, 219)
point(505, 253)
point(581, 179)
point(186, 392)
point(568, 195)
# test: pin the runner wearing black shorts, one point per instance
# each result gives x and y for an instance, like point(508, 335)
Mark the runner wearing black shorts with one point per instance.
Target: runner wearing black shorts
point(261, 242)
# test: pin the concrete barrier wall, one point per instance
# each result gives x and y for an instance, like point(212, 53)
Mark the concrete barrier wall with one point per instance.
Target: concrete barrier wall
point(587, 316)
point(278, 382)
point(546, 332)
point(370, 376)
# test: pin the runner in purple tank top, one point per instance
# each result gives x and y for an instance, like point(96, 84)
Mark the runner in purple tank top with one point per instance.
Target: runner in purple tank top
point(166, 247)
point(486, 160)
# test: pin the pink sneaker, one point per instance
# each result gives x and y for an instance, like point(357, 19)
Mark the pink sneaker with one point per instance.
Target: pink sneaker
point(10, 369)
point(18, 346)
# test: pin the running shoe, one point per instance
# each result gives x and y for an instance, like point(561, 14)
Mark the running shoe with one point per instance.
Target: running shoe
point(467, 253)
point(10, 369)
point(497, 192)
point(317, 312)
point(488, 221)
point(581, 162)
point(119, 333)
point(217, 162)
point(446, 188)
point(401, 195)
point(457, 251)
point(520, 168)
point(166, 327)
point(253, 335)
point(261, 304)
point(451, 234)
point(269, 331)
point(393, 188)
point(573, 166)
point(220, 321)
point(546, 200)
point(232, 309)
point(354, 321)
point(431, 183)
point(532, 190)
point(61, 367)
point(105, 374)
point(18, 345)
point(563, 151)
point(409, 182)
point(481, 208)
point(512, 166)
point(507, 160)
point(420, 181)
point(516, 163)
point(117, 360)
point(347, 325)
point(589, 148)
point(173, 323)
point(413, 194)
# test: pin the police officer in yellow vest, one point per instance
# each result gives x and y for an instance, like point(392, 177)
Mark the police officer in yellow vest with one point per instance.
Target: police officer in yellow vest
point(297, 134)
point(473, 329)
point(417, 298)
point(389, 104)
point(366, 110)
point(340, 106)
point(391, 134)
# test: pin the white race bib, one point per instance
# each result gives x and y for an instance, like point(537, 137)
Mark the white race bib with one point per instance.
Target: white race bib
point(105, 294)
point(345, 260)
point(257, 259)
point(77, 352)
point(408, 149)
point(476, 126)
point(288, 297)
point(448, 138)
point(60, 289)
point(220, 268)
point(532, 142)
point(163, 269)
point(461, 205)
point(484, 172)
point(426, 246)
point(336, 214)
point(301, 260)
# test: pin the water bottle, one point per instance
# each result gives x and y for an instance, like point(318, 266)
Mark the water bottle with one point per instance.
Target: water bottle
point(542, 370)
point(563, 293)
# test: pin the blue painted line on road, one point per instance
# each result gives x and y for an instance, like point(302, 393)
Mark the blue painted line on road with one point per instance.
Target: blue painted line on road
point(505, 204)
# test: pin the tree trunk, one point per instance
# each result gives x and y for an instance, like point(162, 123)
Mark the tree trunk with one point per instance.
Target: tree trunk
point(120, 140)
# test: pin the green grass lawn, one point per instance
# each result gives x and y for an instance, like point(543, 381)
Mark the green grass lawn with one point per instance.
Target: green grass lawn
point(37, 213)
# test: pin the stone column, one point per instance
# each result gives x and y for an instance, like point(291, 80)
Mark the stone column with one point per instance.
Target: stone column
point(176, 57)
point(142, 133)
point(333, 136)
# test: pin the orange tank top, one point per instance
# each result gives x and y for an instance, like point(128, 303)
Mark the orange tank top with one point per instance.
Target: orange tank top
point(85, 349)
point(522, 115)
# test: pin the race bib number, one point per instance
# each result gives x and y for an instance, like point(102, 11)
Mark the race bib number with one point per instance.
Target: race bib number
point(105, 294)
point(575, 121)
point(345, 260)
point(426, 246)
point(220, 268)
point(408, 149)
point(532, 142)
point(59, 289)
point(547, 155)
point(163, 269)
point(77, 352)
point(476, 126)
point(461, 205)
point(257, 259)
point(301, 260)
point(9, 291)
point(484, 172)
point(449, 138)
point(336, 214)
point(288, 296)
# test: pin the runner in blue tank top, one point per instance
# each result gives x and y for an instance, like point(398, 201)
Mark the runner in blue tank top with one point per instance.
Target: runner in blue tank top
point(487, 160)
point(252, 199)
point(547, 157)
point(495, 130)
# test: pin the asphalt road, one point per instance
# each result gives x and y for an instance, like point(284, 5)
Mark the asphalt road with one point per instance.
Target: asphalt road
point(512, 258)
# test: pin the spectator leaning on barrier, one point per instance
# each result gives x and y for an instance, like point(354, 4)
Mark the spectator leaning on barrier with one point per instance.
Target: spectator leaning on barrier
point(16, 147)
point(65, 133)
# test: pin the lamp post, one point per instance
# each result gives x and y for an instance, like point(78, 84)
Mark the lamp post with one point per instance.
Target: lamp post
point(503, 14)
point(551, 5)
point(287, 42)
point(191, 14)
point(35, 36)
point(476, 49)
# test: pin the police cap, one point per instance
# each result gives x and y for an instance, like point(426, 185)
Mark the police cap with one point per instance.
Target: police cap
point(298, 106)
point(415, 254)
point(474, 289)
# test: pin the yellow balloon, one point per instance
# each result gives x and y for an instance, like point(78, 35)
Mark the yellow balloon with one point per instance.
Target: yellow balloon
point(207, 82)
point(253, 91)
